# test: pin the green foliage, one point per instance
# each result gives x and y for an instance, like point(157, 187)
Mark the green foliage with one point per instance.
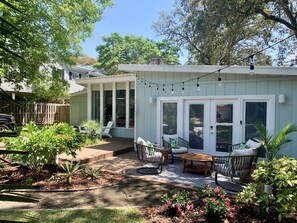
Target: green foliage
point(70, 169)
point(45, 32)
point(43, 144)
point(132, 50)
point(92, 127)
point(273, 144)
point(212, 203)
point(281, 175)
point(93, 173)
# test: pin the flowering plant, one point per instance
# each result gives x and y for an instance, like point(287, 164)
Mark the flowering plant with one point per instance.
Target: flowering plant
point(213, 204)
point(176, 202)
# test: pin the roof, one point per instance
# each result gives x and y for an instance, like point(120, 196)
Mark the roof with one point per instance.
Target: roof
point(87, 69)
point(205, 69)
point(106, 79)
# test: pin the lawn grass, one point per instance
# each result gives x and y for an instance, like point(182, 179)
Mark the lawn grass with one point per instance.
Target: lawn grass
point(102, 215)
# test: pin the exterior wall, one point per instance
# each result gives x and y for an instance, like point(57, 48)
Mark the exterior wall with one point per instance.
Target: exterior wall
point(232, 84)
point(78, 109)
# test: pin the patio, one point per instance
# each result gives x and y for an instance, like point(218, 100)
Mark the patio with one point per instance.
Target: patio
point(128, 163)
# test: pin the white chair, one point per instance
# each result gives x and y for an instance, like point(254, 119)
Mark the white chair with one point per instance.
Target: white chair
point(106, 129)
point(175, 145)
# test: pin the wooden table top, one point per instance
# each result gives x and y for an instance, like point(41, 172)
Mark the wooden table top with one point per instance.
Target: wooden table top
point(198, 157)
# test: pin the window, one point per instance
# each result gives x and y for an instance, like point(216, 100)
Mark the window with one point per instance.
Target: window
point(196, 126)
point(170, 118)
point(96, 105)
point(255, 113)
point(121, 108)
point(132, 107)
point(107, 106)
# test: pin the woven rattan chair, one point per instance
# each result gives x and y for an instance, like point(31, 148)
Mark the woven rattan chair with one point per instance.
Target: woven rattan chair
point(183, 146)
point(238, 164)
point(149, 154)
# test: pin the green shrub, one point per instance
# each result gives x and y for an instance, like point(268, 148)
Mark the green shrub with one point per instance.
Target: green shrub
point(92, 127)
point(43, 144)
point(281, 175)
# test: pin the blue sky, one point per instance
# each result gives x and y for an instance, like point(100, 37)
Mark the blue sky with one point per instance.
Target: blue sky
point(128, 17)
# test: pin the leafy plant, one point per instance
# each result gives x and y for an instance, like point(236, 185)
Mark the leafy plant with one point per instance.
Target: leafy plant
point(70, 169)
point(176, 202)
point(92, 127)
point(273, 144)
point(44, 143)
point(93, 173)
point(214, 205)
point(281, 175)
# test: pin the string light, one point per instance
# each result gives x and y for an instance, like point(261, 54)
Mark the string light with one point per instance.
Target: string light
point(219, 78)
point(172, 90)
point(183, 88)
point(198, 85)
point(251, 69)
point(252, 66)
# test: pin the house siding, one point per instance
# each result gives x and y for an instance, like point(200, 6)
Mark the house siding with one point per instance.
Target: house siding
point(232, 84)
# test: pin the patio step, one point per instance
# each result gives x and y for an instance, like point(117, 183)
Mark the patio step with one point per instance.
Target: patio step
point(94, 153)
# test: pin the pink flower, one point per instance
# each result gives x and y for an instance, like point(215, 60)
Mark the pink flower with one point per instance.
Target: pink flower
point(179, 210)
point(217, 190)
point(232, 215)
point(190, 207)
point(204, 200)
point(178, 205)
point(228, 203)
point(223, 196)
point(166, 206)
point(168, 202)
point(201, 212)
point(174, 196)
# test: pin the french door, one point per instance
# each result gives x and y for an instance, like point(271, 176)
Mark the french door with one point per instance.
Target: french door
point(212, 125)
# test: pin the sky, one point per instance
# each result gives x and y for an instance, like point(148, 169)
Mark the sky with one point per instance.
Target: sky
point(128, 17)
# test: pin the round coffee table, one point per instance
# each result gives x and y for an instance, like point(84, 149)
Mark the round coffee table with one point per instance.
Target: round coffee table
point(199, 158)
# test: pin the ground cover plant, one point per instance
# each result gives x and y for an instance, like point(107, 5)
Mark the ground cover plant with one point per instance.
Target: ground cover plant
point(102, 215)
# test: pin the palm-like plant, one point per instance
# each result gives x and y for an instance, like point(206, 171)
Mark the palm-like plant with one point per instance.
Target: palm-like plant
point(273, 144)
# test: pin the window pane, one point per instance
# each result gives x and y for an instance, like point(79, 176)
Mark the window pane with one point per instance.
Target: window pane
point(96, 105)
point(121, 108)
point(131, 107)
point(169, 118)
point(196, 126)
point(224, 127)
point(255, 112)
point(107, 106)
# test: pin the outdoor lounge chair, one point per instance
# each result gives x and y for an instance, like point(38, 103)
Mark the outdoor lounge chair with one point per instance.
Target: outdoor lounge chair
point(149, 153)
point(175, 145)
point(239, 163)
point(106, 129)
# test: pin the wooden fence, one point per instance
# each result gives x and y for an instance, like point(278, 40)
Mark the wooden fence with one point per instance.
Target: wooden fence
point(40, 113)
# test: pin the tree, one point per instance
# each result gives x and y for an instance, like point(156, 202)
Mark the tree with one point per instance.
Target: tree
point(224, 32)
point(50, 31)
point(84, 60)
point(132, 50)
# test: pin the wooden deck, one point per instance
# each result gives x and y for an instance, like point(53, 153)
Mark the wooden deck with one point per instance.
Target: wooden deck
point(108, 148)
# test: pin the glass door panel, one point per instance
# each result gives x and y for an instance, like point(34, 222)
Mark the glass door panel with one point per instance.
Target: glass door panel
point(196, 126)
point(224, 126)
point(169, 118)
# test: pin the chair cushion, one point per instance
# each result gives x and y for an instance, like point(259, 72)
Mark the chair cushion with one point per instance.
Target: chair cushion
point(140, 141)
point(179, 150)
point(244, 152)
point(167, 137)
point(253, 144)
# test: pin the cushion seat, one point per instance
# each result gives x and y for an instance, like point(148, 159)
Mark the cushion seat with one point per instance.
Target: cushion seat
point(179, 150)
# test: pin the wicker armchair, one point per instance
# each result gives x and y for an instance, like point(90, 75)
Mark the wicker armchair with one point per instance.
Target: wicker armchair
point(149, 154)
point(239, 163)
point(182, 146)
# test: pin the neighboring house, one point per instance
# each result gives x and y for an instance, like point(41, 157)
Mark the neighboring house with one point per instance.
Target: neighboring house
point(191, 102)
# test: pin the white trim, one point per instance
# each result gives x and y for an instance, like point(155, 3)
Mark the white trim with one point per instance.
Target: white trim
point(114, 102)
point(101, 104)
point(204, 69)
point(127, 105)
point(106, 79)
